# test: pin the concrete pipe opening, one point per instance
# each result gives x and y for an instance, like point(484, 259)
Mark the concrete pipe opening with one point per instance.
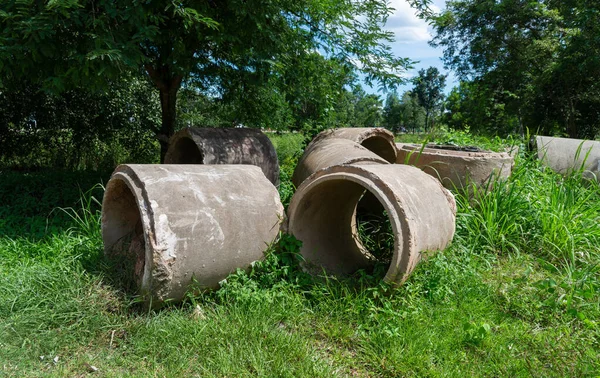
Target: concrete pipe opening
point(185, 151)
point(196, 145)
point(184, 227)
point(381, 146)
point(322, 214)
point(124, 236)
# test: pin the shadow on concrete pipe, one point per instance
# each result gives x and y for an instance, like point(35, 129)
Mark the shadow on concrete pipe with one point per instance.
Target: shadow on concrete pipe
point(327, 152)
point(456, 168)
point(195, 145)
point(168, 227)
point(322, 214)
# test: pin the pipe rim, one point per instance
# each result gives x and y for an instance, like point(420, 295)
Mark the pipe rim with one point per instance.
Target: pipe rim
point(127, 176)
point(401, 257)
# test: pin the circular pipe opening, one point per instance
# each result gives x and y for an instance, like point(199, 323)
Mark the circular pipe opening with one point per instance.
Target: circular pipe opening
point(186, 151)
point(329, 225)
point(381, 147)
point(123, 236)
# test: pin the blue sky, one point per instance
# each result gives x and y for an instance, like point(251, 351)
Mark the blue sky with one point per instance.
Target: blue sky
point(412, 37)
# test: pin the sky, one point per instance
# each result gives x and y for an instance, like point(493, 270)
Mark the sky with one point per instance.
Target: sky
point(412, 37)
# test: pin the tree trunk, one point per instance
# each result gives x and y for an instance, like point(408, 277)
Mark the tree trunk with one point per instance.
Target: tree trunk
point(168, 102)
point(572, 121)
point(168, 85)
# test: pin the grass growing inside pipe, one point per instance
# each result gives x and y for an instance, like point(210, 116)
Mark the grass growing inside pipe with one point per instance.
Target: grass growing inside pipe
point(516, 294)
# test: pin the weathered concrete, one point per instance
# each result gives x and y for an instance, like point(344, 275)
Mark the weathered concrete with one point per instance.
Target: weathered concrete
point(375, 139)
point(454, 168)
point(322, 214)
point(183, 224)
point(195, 145)
point(564, 155)
point(327, 152)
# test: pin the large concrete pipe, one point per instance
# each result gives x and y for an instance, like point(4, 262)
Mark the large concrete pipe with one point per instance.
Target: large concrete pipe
point(195, 145)
point(172, 226)
point(375, 139)
point(326, 152)
point(564, 155)
point(456, 168)
point(322, 214)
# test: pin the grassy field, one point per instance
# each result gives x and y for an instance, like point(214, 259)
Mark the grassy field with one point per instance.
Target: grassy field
point(516, 294)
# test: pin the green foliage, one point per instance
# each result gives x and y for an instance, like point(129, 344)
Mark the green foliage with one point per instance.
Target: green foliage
point(258, 57)
point(429, 90)
point(376, 235)
point(463, 138)
point(532, 63)
point(289, 148)
point(78, 129)
point(473, 107)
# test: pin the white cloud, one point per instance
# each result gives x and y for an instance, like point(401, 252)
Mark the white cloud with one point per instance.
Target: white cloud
point(412, 36)
point(406, 26)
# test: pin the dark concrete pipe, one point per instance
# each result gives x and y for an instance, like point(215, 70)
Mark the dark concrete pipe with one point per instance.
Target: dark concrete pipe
point(171, 226)
point(322, 214)
point(195, 145)
point(455, 168)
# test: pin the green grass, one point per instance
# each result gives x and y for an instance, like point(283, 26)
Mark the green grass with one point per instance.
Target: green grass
point(516, 294)
point(460, 138)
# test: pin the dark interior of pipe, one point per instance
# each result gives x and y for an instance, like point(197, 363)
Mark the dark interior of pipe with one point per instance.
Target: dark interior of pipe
point(326, 225)
point(124, 236)
point(185, 151)
point(374, 228)
point(381, 147)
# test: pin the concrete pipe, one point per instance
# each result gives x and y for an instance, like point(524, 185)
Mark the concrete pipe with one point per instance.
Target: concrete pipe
point(327, 152)
point(456, 168)
point(322, 214)
point(375, 139)
point(195, 145)
point(564, 155)
point(171, 226)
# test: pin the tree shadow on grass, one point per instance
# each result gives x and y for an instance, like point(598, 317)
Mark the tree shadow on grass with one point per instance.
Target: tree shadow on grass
point(29, 200)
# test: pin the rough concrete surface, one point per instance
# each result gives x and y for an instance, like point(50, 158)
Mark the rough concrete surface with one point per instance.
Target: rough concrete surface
point(456, 169)
point(322, 214)
point(327, 152)
point(195, 145)
point(184, 224)
point(564, 155)
point(375, 139)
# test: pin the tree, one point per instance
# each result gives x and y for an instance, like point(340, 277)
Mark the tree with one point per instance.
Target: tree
point(429, 89)
point(225, 47)
point(413, 114)
point(392, 112)
point(78, 128)
point(536, 58)
point(368, 109)
point(473, 106)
